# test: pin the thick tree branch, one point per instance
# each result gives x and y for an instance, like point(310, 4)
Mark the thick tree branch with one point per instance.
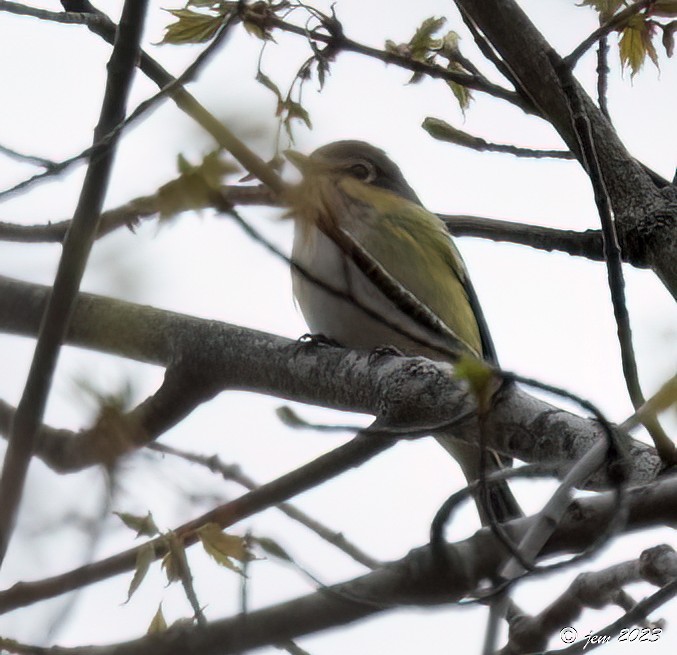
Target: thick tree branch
point(646, 215)
point(404, 393)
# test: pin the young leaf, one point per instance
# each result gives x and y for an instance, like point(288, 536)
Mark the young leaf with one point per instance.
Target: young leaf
point(195, 185)
point(295, 110)
point(263, 79)
point(144, 525)
point(144, 559)
point(462, 93)
point(191, 27)
point(635, 44)
point(422, 42)
point(175, 562)
point(224, 547)
point(478, 374)
point(158, 624)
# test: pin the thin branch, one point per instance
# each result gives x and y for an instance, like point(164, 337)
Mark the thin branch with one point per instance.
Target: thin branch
point(71, 268)
point(415, 579)
point(613, 23)
point(640, 611)
point(129, 215)
point(603, 76)
point(235, 474)
point(443, 131)
point(586, 244)
point(187, 103)
point(612, 255)
point(70, 17)
point(171, 87)
point(321, 469)
point(338, 41)
point(27, 159)
point(593, 590)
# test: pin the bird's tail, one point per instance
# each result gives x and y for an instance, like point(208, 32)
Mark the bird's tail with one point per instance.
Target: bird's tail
point(500, 500)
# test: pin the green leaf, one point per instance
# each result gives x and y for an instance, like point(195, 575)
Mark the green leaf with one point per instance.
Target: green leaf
point(462, 93)
point(144, 525)
point(191, 27)
point(195, 186)
point(144, 558)
point(158, 624)
point(263, 79)
point(449, 45)
point(422, 42)
point(296, 110)
point(224, 547)
point(635, 44)
point(477, 373)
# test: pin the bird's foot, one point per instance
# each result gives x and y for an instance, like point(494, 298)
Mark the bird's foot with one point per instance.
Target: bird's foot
point(318, 340)
point(384, 351)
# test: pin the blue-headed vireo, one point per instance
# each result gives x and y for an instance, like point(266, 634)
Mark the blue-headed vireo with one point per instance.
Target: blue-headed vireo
point(352, 193)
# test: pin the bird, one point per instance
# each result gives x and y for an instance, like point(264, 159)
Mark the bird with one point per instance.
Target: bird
point(354, 208)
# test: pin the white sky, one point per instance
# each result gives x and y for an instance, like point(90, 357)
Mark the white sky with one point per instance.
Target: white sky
point(549, 313)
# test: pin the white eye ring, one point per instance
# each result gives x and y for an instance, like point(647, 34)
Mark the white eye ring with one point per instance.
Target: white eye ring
point(362, 171)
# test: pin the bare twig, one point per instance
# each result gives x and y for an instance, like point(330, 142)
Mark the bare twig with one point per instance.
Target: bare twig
point(171, 87)
point(234, 473)
point(603, 76)
point(586, 244)
point(71, 17)
point(71, 267)
point(27, 159)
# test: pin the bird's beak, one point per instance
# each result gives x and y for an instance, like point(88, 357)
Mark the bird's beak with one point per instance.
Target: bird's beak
point(302, 162)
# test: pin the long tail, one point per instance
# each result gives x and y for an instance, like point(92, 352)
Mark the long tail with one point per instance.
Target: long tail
point(503, 504)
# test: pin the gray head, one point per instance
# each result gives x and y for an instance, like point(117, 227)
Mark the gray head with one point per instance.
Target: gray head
point(366, 163)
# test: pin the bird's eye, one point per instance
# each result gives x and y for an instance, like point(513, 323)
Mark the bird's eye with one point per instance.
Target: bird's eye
point(361, 171)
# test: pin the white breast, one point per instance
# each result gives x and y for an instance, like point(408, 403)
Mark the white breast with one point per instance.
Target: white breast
point(338, 318)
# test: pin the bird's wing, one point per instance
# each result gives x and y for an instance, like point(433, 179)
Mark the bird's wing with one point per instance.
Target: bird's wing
point(433, 270)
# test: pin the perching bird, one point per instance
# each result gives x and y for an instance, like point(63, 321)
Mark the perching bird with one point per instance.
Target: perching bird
point(352, 193)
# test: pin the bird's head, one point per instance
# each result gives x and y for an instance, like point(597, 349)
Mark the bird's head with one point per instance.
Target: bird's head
point(357, 160)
